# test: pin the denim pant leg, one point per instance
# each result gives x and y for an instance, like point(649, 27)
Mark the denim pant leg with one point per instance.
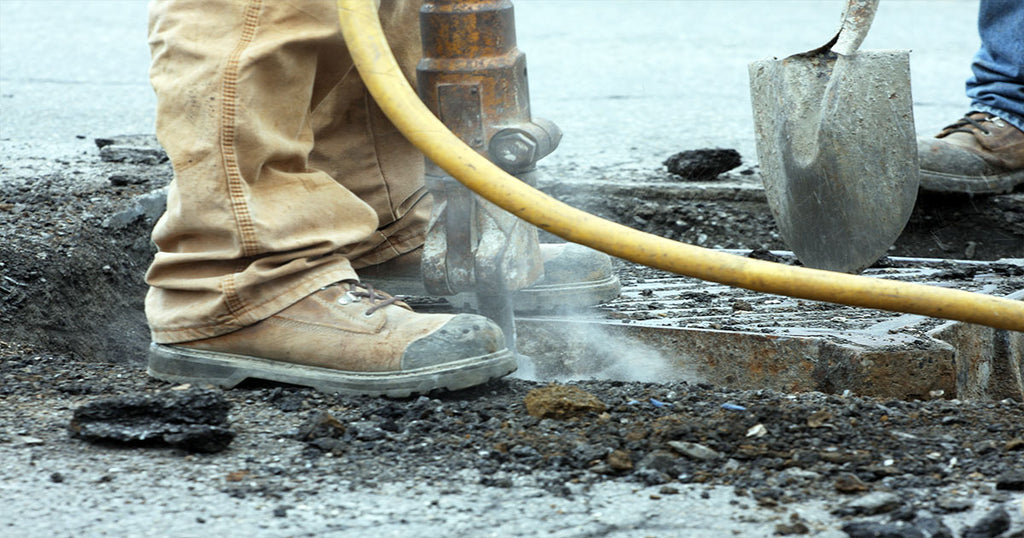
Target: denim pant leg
point(997, 86)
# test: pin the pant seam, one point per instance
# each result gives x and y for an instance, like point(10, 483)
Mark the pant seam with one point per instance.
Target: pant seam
point(231, 298)
point(368, 104)
point(229, 100)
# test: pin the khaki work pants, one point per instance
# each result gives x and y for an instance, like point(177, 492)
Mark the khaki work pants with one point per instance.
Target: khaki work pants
point(287, 177)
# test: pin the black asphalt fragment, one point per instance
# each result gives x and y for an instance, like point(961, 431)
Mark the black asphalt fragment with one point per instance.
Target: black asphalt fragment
point(194, 420)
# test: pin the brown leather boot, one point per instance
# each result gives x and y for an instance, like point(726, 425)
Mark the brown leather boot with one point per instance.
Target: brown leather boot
point(980, 154)
point(574, 277)
point(347, 338)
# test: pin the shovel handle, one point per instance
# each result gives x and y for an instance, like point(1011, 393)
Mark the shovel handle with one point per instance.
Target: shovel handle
point(857, 19)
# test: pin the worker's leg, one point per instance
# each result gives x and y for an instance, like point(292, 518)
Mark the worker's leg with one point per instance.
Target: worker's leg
point(250, 228)
point(984, 151)
point(357, 144)
point(997, 85)
point(254, 238)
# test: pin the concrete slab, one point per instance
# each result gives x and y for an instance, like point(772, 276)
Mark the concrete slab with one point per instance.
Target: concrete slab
point(670, 327)
point(989, 362)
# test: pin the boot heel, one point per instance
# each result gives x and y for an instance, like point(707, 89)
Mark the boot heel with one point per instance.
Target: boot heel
point(187, 366)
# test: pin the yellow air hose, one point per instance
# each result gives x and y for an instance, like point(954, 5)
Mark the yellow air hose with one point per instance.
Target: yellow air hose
point(400, 102)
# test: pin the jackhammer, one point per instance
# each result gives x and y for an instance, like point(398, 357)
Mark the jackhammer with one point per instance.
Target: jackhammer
point(383, 78)
point(473, 78)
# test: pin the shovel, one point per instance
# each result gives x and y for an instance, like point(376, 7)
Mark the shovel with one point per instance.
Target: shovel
point(835, 139)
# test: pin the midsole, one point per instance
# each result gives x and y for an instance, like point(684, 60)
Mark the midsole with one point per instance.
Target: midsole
point(174, 363)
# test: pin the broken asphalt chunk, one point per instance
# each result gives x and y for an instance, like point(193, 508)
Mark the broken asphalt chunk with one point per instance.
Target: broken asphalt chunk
point(1010, 481)
point(194, 420)
point(702, 164)
point(131, 149)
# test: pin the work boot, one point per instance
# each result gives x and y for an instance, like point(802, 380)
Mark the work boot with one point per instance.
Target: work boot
point(574, 277)
point(980, 154)
point(346, 338)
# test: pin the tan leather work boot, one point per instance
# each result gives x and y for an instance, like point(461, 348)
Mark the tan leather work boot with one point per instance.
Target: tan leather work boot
point(347, 338)
point(574, 277)
point(980, 154)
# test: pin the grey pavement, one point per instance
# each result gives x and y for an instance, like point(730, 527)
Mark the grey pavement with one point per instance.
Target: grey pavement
point(71, 69)
point(148, 495)
point(630, 82)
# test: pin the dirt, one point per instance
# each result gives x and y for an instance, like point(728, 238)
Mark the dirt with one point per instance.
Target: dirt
point(74, 248)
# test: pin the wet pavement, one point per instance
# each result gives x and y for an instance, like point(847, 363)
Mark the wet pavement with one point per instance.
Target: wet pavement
point(687, 329)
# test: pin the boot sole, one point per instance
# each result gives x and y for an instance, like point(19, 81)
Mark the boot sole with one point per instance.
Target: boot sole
point(1002, 183)
point(182, 365)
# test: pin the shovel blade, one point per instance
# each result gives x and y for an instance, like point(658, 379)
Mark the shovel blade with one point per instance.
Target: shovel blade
point(838, 154)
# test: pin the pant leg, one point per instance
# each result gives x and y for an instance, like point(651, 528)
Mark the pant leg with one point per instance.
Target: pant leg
point(358, 145)
point(250, 227)
point(997, 85)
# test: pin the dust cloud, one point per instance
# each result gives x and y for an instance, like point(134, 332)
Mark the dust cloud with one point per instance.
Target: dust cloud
point(576, 350)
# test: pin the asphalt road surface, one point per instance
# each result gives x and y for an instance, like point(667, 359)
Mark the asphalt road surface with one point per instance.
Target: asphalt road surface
point(629, 82)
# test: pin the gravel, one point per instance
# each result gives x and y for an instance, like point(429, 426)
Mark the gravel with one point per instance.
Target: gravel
point(512, 458)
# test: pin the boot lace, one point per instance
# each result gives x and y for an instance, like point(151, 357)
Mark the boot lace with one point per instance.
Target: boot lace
point(378, 299)
point(961, 126)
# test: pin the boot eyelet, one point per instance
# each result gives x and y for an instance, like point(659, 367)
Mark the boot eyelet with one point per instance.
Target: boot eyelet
point(347, 299)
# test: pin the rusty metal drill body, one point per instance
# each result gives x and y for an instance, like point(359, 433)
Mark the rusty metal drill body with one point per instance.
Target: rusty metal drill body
point(473, 78)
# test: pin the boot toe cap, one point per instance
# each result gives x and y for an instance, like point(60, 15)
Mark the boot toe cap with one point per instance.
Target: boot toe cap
point(465, 336)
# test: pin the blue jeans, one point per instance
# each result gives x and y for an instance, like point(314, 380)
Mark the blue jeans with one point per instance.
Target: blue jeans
point(997, 86)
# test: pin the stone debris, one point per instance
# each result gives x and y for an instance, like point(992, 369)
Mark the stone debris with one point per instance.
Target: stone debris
point(194, 420)
point(954, 504)
point(796, 525)
point(561, 402)
point(878, 502)
point(694, 450)
point(933, 527)
point(992, 524)
point(619, 460)
point(321, 424)
point(849, 483)
point(757, 430)
point(818, 418)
